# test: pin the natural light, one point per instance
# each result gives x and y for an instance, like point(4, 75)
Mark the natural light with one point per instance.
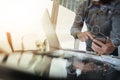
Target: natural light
point(21, 17)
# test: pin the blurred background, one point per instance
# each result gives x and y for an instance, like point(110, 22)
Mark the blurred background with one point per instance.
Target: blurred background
point(25, 20)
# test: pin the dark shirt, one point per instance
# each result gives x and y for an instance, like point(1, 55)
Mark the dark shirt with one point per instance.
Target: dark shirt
point(106, 17)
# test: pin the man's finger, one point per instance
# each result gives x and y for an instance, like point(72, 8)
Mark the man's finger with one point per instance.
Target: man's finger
point(96, 48)
point(86, 38)
point(91, 36)
point(98, 42)
point(108, 40)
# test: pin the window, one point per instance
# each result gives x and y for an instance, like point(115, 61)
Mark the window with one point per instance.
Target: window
point(70, 4)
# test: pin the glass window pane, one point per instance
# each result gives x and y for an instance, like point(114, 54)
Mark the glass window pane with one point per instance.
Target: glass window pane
point(70, 4)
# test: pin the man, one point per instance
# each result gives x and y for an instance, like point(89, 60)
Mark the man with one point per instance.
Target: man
point(103, 20)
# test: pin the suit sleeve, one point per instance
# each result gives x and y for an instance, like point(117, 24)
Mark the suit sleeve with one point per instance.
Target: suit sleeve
point(115, 33)
point(78, 21)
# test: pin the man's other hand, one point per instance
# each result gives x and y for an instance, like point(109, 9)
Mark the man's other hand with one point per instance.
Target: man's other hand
point(103, 48)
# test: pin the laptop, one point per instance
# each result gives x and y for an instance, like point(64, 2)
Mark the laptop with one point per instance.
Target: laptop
point(50, 32)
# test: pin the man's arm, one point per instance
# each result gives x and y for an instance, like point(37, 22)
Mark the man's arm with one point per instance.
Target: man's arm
point(78, 21)
point(115, 33)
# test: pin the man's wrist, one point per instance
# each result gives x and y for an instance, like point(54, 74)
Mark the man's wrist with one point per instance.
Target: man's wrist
point(78, 34)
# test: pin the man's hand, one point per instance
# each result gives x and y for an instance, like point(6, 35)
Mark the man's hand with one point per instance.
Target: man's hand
point(103, 48)
point(83, 36)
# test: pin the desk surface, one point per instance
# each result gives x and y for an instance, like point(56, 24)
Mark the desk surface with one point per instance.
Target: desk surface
point(9, 74)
